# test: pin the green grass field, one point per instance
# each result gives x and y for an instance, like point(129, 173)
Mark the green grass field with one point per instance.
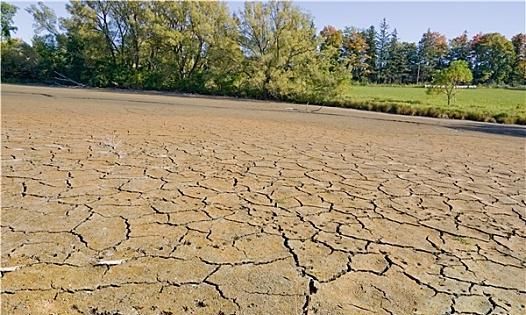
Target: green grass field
point(482, 104)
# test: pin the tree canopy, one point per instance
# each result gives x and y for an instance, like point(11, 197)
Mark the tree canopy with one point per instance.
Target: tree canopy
point(8, 12)
point(448, 79)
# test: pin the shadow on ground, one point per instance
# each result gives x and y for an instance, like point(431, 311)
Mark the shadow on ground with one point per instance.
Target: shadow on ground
point(507, 130)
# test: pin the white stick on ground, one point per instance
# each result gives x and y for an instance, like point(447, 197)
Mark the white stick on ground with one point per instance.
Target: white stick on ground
point(8, 269)
point(109, 262)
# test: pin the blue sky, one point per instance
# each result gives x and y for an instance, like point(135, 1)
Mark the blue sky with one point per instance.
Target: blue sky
point(411, 18)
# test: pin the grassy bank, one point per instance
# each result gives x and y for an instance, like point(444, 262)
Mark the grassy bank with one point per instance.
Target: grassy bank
point(481, 104)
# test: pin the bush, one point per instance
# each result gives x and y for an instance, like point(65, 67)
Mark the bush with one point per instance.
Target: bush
point(19, 61)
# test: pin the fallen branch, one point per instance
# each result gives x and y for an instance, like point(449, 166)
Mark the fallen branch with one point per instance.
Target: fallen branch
point(109, 262)
point(62, 77)
point(316, 109)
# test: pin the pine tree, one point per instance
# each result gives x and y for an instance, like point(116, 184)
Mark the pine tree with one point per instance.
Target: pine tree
point(383, 38)
point(392, 71)
point(370, 39)
point(410, 53)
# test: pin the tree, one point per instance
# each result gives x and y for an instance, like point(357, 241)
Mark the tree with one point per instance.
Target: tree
point(432, 50)
point(402, 63)
point(192, 46)
point(97, 41)
point(460, 48)
point(370, 39)
point(382, 41)
point(88, 58)
point(446, 80)
point(47, 42)
point(19, 61)
point(331, 37)
point(8, 12)
point(331, 55)
point(355, 55)
point(44, 18)
point(493, 58)
point(278, 40)
point(395, 59)
point(410, 53)
point(330, 45)
point(519, 67)
point(111, 35)
point(323, 78)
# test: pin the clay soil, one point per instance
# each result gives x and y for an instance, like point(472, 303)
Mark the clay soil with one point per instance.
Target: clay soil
point(129, 203)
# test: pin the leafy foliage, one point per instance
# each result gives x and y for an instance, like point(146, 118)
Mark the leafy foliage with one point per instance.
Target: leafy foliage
point(281, 49)
point(19, 60)
point(519, 67)
point(446, 81)
point(432, 50)
point(355, 53)
point(494, 57)
point(8, 11)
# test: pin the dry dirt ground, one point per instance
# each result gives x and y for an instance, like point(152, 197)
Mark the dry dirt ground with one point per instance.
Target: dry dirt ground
point(123, 203)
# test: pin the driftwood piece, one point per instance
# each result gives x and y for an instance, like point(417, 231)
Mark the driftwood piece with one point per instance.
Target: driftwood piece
point(63, 78)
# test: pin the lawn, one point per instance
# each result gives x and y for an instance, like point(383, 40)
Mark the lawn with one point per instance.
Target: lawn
point(482, 104)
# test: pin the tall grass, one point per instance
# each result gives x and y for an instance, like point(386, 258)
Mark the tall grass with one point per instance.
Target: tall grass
point(482, 104)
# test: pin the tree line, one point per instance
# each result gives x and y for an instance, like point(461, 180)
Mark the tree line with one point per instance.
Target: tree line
point(266, 50)
point(376, 55)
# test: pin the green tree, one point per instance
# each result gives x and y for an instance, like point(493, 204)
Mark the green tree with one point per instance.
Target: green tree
point(383, 38)
point(355, 54)
point(44, 19)
point(277, 40)
point(493, 58)
point(19, 61)
point(320, 79)
point(432, 50)
point(112, 35)
point(193, 46)
point(402, 62)
point(395, 59)
point(370, 39)
point(519, 67)
point(8, 12)
point(48, 42)
point(190, 46)
point(445, 81)
point(332, 51)
point(96, 41)
point(409, 63)
point(460, 48)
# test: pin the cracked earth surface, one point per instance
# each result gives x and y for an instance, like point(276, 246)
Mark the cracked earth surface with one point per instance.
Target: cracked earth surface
point(117, 203)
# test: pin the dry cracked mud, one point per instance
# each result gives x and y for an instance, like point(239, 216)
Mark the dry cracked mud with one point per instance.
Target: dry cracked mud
point(124, 203)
